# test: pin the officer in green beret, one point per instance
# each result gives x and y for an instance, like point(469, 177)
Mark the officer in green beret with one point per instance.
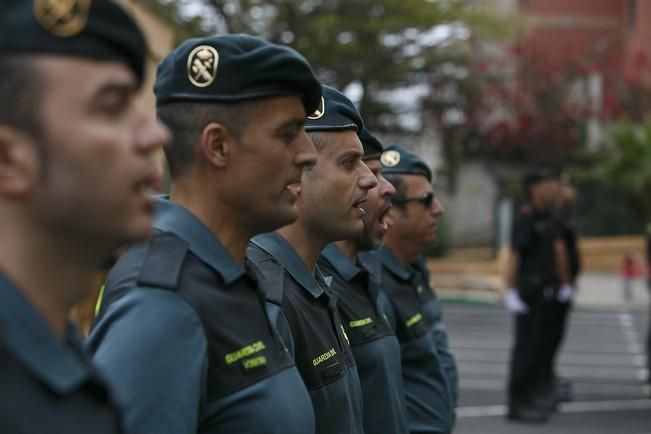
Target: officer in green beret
point(329, 209)
point(362, 306)
point(75, 164)
point(182, 330)
point(429, 369)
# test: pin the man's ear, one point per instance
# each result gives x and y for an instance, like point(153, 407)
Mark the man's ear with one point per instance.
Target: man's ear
point(215, 143)
point(19, 163)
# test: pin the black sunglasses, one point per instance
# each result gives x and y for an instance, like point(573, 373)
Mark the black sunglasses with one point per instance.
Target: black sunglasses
point(425, 200)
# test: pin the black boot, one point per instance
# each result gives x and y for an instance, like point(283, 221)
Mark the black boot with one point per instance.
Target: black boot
point(564, 390)
point(546, 397)
point(527, 413)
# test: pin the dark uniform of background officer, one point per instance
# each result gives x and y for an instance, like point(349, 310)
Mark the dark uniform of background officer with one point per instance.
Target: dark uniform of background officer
point(75, 156)
point(537, 267)
point(561, 305)
point(428, 367)
point(182, 331)
point(329, 204)
point(362, 306)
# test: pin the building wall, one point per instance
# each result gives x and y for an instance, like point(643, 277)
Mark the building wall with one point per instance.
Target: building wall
point(160, 38)
point(470, 210)
point(639, 41)
point(571, 30)
point(577, 8)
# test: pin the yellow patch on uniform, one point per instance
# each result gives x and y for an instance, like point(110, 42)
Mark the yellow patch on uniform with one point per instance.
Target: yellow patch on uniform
point(360, 322)
point(319, 112)
point(390, 158)
point(63, 18)
point(323, 357)
point(414, 319)
point(202, 65)
point(255, 362)
point(243, 352)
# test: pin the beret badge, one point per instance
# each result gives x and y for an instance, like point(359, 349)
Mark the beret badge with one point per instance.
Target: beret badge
point(390, 158)
point(319, 112)
point(202, 65)
point(63, 18)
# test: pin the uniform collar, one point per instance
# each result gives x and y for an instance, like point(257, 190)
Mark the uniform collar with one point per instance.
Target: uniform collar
point(278, 247)
point(172, 217)
point(62, 366)
point(389, 261)
point(340, 262)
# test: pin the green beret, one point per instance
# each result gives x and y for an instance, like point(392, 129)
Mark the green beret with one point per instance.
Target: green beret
point(95, 29)
point(399, 161)
point(372, 146)
point(335, 113)
point(230, 68)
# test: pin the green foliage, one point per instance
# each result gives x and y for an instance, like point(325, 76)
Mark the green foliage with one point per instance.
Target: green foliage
point(621, 171)
point(626, 163)
point(171, 11)
point(379, 44)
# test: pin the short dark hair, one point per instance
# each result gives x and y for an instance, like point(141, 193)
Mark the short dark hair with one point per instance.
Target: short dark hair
point(320, 139)
point(20, 91)
point(399, 184)
point(187, 119)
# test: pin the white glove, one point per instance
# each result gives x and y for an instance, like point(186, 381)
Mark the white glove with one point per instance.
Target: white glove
point(513, 303)
point(565, 293)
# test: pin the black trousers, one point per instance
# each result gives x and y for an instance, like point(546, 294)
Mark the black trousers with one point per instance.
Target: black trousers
point(526, 367)
point(555, 319)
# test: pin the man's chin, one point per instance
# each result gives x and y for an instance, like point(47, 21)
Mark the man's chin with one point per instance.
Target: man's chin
point(139, 231)
point(282, 217)
point(368, 240)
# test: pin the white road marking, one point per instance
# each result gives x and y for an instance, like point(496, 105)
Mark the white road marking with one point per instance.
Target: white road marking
point(571, 407)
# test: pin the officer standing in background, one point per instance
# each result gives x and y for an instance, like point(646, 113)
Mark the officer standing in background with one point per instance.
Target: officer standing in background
point(329, 207)
point(429, 369)
point(182, 331)
point(561, 305)
point(536, 268)
point(362, 307)
point(75, 161)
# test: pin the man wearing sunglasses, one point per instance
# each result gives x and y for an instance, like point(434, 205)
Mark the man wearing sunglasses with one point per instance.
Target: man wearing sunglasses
point(429, 369)
point(362, 306)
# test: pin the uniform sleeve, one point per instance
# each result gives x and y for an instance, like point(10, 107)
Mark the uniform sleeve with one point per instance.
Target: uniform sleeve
point(447, 359)
point(151, 347)
point(557, 228)
point(521, 232)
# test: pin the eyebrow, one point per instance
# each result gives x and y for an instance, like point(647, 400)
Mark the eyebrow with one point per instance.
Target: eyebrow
point(351, 153)
point(292, 123)
point(115, 86)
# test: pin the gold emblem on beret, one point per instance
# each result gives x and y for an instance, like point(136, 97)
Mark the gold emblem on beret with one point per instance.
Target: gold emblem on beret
point(202, 65)
point(390, 158)
point(63, 18)
point(319, 112)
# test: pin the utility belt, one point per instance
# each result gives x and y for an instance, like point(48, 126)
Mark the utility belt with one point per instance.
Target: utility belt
point(534, 287)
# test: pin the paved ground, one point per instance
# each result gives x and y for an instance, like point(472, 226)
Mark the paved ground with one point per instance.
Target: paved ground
point(603, 353)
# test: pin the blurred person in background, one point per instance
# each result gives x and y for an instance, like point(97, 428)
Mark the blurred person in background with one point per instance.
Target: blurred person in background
point(536, 276)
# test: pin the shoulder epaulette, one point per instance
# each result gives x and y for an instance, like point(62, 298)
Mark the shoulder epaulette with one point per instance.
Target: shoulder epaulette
point(270, 275)
point(164, 258)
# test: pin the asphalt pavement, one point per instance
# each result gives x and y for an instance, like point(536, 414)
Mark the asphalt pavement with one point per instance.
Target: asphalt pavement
point(604, 355)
